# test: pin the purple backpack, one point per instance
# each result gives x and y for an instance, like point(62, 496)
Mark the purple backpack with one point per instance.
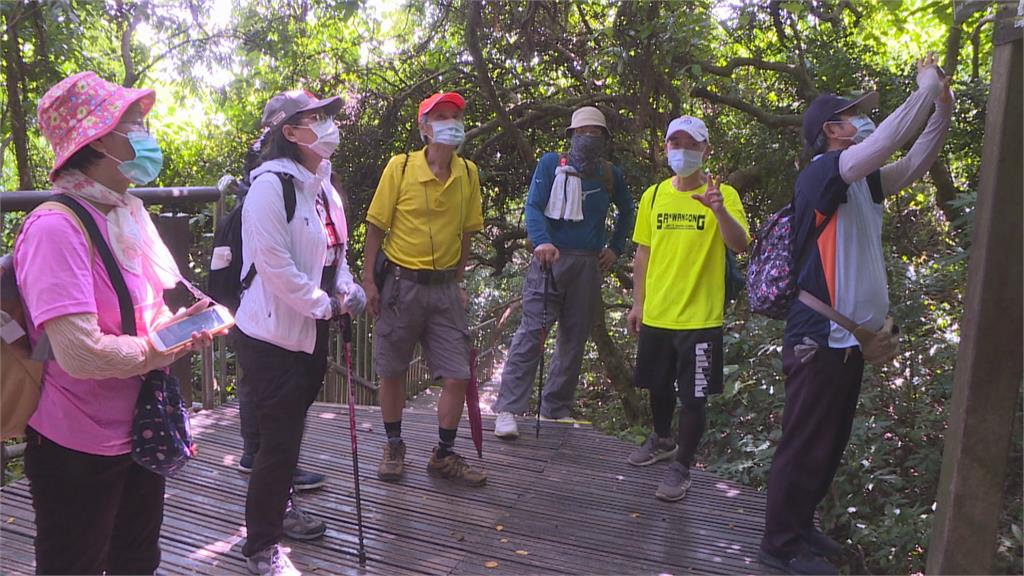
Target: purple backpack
point(771, 272)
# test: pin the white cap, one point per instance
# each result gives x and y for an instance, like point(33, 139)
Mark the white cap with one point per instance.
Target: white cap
point(693, 126)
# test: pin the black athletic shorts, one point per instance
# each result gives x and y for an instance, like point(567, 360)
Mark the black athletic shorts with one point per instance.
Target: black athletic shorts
point(693, 358)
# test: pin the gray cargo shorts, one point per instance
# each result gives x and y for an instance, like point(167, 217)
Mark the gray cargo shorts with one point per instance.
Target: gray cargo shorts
point(430, 315)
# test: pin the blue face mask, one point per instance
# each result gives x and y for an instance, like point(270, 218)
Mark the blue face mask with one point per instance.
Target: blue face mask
point(865, 127)
point(148, 161)
point(685, 162)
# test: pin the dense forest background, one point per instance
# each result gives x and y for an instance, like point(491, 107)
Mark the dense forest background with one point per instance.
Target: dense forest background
point(748, 67)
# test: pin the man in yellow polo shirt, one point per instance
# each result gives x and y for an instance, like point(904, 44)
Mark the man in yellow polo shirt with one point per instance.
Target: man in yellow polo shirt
point(426, 207)
point(683, 228)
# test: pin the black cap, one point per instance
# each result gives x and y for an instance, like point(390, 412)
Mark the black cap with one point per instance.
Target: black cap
point(826, 106)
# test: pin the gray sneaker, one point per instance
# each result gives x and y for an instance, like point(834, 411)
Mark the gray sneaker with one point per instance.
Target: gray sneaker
point(653, 450)
point(674, 485)
point(299, 525)
point(271, 562)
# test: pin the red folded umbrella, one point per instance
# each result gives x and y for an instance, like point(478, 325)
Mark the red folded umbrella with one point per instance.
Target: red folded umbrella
point(476, 425)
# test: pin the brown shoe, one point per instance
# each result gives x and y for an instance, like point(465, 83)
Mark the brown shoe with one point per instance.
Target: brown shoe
point(455, 468)
point(393, 465)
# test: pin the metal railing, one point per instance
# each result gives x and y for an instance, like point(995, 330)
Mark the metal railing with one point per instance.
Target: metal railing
point(216, 367)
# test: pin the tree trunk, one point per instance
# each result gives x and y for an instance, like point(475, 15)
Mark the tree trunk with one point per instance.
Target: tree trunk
point(13, 65)
point(617, 369)
point(473, 24)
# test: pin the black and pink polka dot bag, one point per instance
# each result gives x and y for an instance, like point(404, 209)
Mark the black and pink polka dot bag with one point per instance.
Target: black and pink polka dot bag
point(161, 440)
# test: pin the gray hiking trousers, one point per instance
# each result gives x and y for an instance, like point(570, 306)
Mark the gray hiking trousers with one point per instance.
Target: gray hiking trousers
point(572, 302)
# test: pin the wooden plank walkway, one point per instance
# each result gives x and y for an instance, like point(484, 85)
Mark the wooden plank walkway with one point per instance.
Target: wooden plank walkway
point(566, 503)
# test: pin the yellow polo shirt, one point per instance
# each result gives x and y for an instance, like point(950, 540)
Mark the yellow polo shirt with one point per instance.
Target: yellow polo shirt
point(423, 217)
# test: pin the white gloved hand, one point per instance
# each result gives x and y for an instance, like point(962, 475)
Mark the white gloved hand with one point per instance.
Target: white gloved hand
point(355, 299)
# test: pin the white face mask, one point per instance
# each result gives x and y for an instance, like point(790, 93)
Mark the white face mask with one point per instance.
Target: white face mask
point(327, 138)
point(865, 127)
point(451, 132)
point(685, 162)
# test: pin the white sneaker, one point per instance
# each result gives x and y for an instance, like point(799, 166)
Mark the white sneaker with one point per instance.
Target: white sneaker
point(505, 425)
point(271, 562)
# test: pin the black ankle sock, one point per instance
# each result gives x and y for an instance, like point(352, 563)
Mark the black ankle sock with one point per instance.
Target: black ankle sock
point(393, 429)
point(447, 442)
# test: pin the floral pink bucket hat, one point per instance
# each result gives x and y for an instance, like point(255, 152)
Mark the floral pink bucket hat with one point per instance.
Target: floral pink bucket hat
point(83, 108)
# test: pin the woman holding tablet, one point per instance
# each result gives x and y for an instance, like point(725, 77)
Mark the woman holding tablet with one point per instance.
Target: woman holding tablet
point(96, 509)
point(301, 282)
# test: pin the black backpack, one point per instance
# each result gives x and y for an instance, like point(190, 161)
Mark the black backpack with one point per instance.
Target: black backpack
point(735, 282)
point(225, 284)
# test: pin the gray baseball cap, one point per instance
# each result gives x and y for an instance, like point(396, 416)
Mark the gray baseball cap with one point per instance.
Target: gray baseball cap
point(287, 104)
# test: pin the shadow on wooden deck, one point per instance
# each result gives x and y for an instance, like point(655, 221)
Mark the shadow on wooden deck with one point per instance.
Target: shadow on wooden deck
point(565, 503)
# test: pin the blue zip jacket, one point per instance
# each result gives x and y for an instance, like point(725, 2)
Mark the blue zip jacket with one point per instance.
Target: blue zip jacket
point(588, 234)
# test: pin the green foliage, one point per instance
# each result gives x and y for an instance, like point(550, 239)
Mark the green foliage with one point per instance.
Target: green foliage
point(748, 67)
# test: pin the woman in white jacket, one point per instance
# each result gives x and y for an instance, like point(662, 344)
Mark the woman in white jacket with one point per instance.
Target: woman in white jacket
point(302, 282)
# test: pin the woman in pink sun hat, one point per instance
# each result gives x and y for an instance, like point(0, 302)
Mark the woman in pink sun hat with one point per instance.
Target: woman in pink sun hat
point(96, 509)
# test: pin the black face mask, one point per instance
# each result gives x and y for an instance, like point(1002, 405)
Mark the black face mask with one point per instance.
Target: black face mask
point(587, 151)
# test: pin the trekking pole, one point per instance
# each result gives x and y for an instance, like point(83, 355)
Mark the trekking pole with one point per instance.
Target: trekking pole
point(346, 337)
point(546, 270)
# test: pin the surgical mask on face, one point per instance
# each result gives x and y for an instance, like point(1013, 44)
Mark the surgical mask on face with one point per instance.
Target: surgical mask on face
point(327, 138)
point(685, 162)
point(865, 127)
point(451, 132)
point(148, 161)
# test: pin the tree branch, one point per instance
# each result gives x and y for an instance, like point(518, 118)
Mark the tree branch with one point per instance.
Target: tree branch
point(805, 85)
point(767, 118)
point(474, 24)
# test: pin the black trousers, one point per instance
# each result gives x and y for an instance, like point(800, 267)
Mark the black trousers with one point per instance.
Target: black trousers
point(821, 400)
point(93, 513)
point(246, 418)
point(281, 386)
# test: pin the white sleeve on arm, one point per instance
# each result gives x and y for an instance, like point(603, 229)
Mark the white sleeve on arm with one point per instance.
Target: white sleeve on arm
point(265, 232)
point(921, 155)
point(85, 352)
point(861, 159)
point(343, 279)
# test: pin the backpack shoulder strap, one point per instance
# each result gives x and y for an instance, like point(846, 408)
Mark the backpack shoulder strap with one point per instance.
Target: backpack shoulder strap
point(288, 190)
point(124, 298)
point(654, 197)
point(609, 178)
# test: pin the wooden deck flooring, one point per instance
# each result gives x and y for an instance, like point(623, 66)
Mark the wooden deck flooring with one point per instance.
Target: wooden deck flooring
point(566, 503)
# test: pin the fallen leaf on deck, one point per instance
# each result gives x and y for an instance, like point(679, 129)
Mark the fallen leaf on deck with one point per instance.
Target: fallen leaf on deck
point(635, 514)
point(522, 552)
point(10, 520)
point(503, 540)
point(499, 527)
point(490, 564)
point(461, 537)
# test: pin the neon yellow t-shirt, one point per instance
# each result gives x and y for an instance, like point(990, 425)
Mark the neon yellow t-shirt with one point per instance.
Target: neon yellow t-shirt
point(685, 281)
point(423, 217)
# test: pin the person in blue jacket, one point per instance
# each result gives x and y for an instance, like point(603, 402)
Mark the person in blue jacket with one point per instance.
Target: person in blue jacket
point(566, 215)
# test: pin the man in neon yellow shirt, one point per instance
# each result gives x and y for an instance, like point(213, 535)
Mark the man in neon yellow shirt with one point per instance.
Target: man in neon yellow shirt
point(683, 227)
point(426, 207)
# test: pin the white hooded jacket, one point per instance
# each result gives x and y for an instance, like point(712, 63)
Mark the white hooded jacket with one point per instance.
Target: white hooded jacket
point(285, 300)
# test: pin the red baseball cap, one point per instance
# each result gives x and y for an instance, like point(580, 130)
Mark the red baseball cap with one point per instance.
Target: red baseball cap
point(453, 97)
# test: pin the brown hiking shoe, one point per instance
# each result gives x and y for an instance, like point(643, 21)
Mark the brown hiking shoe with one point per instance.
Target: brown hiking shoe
point(393, 465)
point(455, 468)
